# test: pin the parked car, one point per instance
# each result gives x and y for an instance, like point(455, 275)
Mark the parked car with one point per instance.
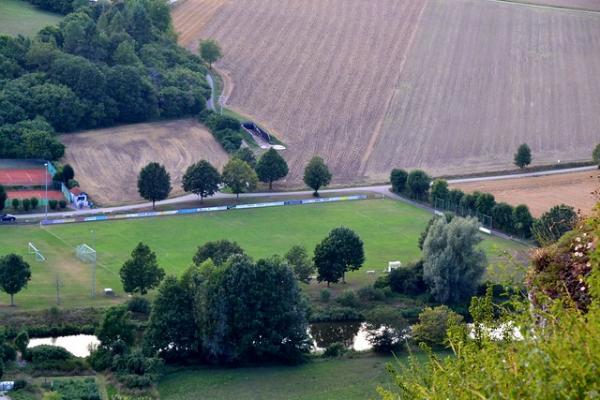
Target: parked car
point(8, 218)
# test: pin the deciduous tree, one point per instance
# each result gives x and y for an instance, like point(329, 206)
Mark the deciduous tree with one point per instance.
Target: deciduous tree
point(201, 179)
point(141, 272)
point(553, 224)
point(116, 326)
point(245, 154)
point(341, 251)
point(218, 251)
point(523, 156)
point(297, 258)
point(210, 51)
point(271, 167)
point(316, 174)
point(239, 176)
point(398, 179)
point(14, 275)
point(3, 197)
point(418, 183)
point(154, 183)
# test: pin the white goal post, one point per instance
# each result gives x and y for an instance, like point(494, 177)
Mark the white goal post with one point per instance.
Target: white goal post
point(85, 253)
point(31, 249)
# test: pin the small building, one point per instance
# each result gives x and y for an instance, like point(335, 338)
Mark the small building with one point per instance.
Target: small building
point(393, 265)
point(79, 199)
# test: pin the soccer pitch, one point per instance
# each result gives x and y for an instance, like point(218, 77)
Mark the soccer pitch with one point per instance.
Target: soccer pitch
point(389, 229)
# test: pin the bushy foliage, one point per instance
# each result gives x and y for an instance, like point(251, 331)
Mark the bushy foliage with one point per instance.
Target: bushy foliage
point(340, 252)
point(316, 174)
point(84, 389)
point(139, 305)
point(297, 258)
point(105, 63)
point(348, 298)
point(218, 251)
point(418, 184)
point(398, 179)
point(336, 349)
point(141, 272)
point(553, 224)
point(408, 279)
point(43, 353)
point(387, 328)
point(433, 325)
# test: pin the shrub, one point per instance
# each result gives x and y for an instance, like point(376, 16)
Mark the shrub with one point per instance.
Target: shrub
point(336, 349)
point(371, 294)
point(72, 183)
point(408, 280)
point(26, 204)
point(348, 299)
point(325, 295)
point(15, 204)
point(333, 314)
point(34, 202)
point(7, 352)
point(46, 352)
point(382, 282)
point(62, 204)
point(20, 384)
point(398, 179)
point(387, 327)
point(139, 305)
point(433, 325)
point(77, 389)
point(52, 204)
point(21, 341)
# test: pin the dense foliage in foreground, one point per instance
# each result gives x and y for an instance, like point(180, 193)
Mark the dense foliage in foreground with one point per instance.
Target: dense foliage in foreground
point(548, 352)
point(106, 63)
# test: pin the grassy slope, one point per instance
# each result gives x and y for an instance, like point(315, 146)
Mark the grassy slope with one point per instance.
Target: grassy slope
point(389, 230)
point(18, 17)
point(346, 379)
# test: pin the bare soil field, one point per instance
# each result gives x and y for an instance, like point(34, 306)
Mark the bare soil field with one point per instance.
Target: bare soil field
point(107, 161)
point(543, 192)
point(592, 5)
point(452, 86)
point(189, 16)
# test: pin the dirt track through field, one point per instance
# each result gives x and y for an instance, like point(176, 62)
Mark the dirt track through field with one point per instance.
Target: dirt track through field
point(543, 192)
point(107, 161)
point(467, 81)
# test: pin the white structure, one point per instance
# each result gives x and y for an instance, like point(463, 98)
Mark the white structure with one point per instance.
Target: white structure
point(393, 265)
point(109, 292)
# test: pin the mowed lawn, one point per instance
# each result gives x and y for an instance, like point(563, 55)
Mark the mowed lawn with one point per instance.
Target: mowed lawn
point(389, 229)
point(345, 379)
point(17, 17)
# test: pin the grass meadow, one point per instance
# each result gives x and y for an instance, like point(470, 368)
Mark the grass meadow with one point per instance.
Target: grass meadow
point(389, 229)
point(17, 17)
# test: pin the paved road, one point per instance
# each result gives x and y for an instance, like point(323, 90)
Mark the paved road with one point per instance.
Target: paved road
point(378, 189)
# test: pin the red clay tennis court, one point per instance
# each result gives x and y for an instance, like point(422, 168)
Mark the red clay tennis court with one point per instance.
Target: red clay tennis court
point(40, 194)
point(24, 177)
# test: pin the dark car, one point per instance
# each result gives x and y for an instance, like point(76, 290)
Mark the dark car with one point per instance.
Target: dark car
point(8, 218)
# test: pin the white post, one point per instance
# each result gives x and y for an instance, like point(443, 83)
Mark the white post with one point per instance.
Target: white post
point(46, 180)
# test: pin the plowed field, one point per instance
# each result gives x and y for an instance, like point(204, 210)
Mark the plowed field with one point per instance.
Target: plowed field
point(452, 86)
point(107, 161)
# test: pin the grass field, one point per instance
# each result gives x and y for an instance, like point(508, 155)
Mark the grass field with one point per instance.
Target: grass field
point(18, 17)
point(389, 229)
point(344, 379)
point(452, 86)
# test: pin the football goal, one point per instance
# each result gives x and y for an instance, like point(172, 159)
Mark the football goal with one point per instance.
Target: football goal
point(85, 253)
point(31, 249)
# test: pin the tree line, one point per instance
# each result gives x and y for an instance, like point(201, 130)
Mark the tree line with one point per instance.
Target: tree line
point(104, 64)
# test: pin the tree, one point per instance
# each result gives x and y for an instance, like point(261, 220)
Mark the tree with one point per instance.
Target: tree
point(408, 279)
point(255, 312)
point(553, 224)
point(67, 173)
point(201, 179)
point(522, 220)
point(116, 326)
point(245, 154)
point(154, 183)
point(484, 203)
point(141, 272)
point(3, 197)
point(596, 155)
point(22, 341)
point(398, 179)
point(523, 156)
point(239, 176)
point(452, 263)
point(297, 258)
point(15, 204)
point(316, 174)
point(14, 275)
point(341, 251)
point(433, 325)
point(172, 327)
point(502, 217)
point(439, 192)
point(218, 251)
point(418, 183)
point(271, 167)
point(448, 216)
point(210, 51)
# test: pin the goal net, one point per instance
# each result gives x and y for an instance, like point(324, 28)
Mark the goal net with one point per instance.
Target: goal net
point(31, 249)
point(85, 253)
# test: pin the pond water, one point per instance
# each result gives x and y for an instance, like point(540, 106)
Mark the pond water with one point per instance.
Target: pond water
point(353, 334)
point(78, 345)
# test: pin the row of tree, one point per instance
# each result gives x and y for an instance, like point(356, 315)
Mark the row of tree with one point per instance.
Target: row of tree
point(106, 63)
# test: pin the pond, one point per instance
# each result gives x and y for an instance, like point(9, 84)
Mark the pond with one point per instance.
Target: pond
point(78, 345)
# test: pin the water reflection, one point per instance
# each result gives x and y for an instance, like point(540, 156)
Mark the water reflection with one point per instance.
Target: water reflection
point(353, 334)
point(78, 345)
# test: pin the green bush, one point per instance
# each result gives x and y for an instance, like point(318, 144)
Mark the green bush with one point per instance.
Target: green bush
point(20, 384)
point(52, 204)
point(26, 204)
point(77, 389)
point(62, 204)
point(139, 305)
point(433, 325)
point(408, 279)
point(8, 352)
point(34, 202)
point(371, 294)
point(382, 282)
point(348, 299)
point(15, 204)
point(325, 295)
point(47, 352)
point(336, 349)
